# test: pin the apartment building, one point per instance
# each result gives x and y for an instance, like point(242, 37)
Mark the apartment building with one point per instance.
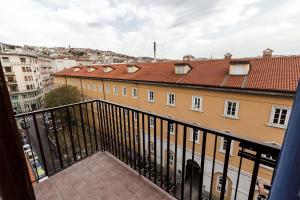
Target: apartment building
point(28, 77)
point(249, 97)
point(61, 63)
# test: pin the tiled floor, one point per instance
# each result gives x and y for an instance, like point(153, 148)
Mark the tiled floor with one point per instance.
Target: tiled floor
point(98, 177)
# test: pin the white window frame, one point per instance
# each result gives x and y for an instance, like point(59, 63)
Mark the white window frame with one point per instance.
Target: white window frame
point(134, 92)
point(94, 86)
point(115, 88)
point(172, 130)
point(219, 186)
point(192, 133)
point(272, 114)
point(168, 99)
point(151, 121)
point(226, 105)
point(265, 156)
point(107, 88)
point(124, 91)
point(149, 96)
point(221, 147)
point(193, 104)
point(100, 89)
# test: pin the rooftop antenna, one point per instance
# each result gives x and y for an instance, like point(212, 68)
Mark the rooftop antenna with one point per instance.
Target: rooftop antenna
point(154, 49)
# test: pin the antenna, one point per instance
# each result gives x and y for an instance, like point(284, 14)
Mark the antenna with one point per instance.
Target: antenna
point(154, 49)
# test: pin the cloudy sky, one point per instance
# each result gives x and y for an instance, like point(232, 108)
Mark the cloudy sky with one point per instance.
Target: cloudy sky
point(203, 28)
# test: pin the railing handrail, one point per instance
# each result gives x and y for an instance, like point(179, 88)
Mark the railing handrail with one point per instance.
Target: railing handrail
point(264, 146)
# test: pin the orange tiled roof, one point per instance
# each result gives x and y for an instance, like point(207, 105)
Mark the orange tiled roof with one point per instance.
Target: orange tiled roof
point(272, 74)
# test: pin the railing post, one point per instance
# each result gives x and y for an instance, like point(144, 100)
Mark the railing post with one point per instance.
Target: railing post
point(286, 184)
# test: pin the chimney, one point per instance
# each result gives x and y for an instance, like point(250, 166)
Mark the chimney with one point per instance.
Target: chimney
point(267, 53)
point(228, 56)
point(154, 49)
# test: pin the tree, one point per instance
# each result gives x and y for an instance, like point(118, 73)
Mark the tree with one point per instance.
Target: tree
point(61, 96)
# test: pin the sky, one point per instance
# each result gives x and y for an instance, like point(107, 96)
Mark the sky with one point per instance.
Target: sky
point(203, 28)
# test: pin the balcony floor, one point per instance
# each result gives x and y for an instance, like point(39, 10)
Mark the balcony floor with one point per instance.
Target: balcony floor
point(99, 176)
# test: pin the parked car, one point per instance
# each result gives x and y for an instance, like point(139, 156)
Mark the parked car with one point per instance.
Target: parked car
point(38, 168)
point(31, 155)
point(26, 148)
point(24, 139)
point(24, 124)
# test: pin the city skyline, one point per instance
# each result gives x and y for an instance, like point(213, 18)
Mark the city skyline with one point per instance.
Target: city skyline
point(203, 29)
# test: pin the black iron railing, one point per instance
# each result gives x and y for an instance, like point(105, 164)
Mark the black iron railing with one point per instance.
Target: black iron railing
point(186, 160)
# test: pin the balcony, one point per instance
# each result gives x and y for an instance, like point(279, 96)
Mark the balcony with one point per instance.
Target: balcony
point(97, 177)
point(11, 82)
point(84, 148)
point(9, 73)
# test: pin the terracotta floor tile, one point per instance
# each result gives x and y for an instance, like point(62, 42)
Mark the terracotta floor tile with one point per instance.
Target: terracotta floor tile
point(99, 177)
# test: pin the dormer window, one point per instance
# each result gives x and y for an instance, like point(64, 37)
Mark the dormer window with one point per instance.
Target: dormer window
point(182, 68)
point(91, 69)
point(239, 67)
point(132, 68)
point(107, 69)
point(76, 69)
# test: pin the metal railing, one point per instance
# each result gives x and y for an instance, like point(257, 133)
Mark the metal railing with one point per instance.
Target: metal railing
point(186, 160)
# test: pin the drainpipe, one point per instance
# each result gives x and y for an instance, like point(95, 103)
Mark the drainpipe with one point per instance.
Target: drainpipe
point(103, 89)
point(81, 89)
point(286, 183)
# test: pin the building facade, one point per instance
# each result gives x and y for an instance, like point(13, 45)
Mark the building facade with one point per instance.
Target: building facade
point(59, 64)
point(247, 97)
point(28, 77)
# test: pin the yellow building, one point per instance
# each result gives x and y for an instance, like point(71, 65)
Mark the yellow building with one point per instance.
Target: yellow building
point(251, 98)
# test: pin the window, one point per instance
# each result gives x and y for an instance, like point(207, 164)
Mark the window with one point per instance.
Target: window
point(152, 147)
point(126, 113)
point(151, 122)
point(94, 86)
point(150, 96)
point(231, 109)
point(115, 90)
point(107, 88)
point(135, 116)
point(100, 88)
point(14, 97)
point(134, 93)
point(171, 99)
point(5, 59)
point(171, 128)
point(268, 156)
point(224, 145)
point(194, 134)
point(8, 69)
point(23, 60)
point(124, 91)
point(219, 184)
point(171, 157)
point(279, 116)
point(196, 103)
